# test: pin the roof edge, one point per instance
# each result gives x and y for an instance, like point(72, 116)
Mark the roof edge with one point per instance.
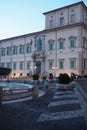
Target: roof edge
point(81, 2)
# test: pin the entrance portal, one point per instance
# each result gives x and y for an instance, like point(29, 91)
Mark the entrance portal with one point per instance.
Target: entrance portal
point(38, 70)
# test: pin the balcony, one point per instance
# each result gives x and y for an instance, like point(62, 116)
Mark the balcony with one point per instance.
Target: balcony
point(39, 55)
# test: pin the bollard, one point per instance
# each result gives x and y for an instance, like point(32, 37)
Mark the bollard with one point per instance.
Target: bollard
point(47, 86)
point(35, 90)
point(1, 94)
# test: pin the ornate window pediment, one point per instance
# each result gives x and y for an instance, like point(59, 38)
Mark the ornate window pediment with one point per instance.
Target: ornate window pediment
point(61, 39)
point(72, 37)
point(50, 41)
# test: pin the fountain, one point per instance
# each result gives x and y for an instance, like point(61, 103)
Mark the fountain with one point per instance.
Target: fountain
point(3, 72)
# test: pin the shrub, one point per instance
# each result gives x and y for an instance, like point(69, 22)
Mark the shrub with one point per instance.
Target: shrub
point(35, 77)
point(50, 76)
point(64, 78)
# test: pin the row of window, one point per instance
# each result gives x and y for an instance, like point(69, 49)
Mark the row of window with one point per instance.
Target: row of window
point(14, 50)
point(14, 65)
point(21, 65)
point(72, 64)
point(61, 44)
point(28, 65)
point(61, 64)
point(22, 48)
point(62, 20)
point(51, 64)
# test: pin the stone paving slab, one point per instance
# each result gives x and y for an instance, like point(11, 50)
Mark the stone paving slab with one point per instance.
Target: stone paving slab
point(25, 115)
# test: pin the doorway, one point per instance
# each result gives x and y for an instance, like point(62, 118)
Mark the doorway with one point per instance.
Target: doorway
point(38, 70)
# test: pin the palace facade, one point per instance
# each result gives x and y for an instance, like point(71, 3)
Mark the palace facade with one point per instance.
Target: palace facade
point(60, 48)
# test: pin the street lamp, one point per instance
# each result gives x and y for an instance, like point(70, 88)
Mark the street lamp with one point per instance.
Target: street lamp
point(35, 67)
point(55, 68)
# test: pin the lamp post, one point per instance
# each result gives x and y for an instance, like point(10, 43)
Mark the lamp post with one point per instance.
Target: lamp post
point(35, 67)
point(55, 68)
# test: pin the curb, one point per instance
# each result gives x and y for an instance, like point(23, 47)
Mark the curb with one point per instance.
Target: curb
point(41, 93)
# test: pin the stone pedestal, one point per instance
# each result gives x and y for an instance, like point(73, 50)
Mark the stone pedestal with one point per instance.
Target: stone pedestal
point(35, 91)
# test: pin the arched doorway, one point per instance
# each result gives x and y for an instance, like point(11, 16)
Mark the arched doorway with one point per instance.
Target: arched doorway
point(38, 70)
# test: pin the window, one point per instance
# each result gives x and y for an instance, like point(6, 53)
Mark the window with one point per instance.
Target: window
point(28, 65)
point(2, 51)
point(51, 23)
point(61, 64)
point(39, 44)
point(72, 63)
point(2, 64)
point(50, 64)
point(21, 65)
point(51, 42)
point(9, 50)
point(15, 50)
point(84, 44)
point(8, 65)
point(50, 46)
point(61, 20)
point(72, 42)
point(28, 48)
point(73, 18)
point(14, 66)
point(21, 49)
point(61, 45)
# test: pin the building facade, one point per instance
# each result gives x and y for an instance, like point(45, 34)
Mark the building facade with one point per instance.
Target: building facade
point(60, 48)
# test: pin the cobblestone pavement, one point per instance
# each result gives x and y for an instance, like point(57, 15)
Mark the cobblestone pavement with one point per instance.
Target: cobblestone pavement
point(56, 110)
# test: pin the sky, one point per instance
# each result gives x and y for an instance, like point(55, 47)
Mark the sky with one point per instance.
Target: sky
point(19, 17)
